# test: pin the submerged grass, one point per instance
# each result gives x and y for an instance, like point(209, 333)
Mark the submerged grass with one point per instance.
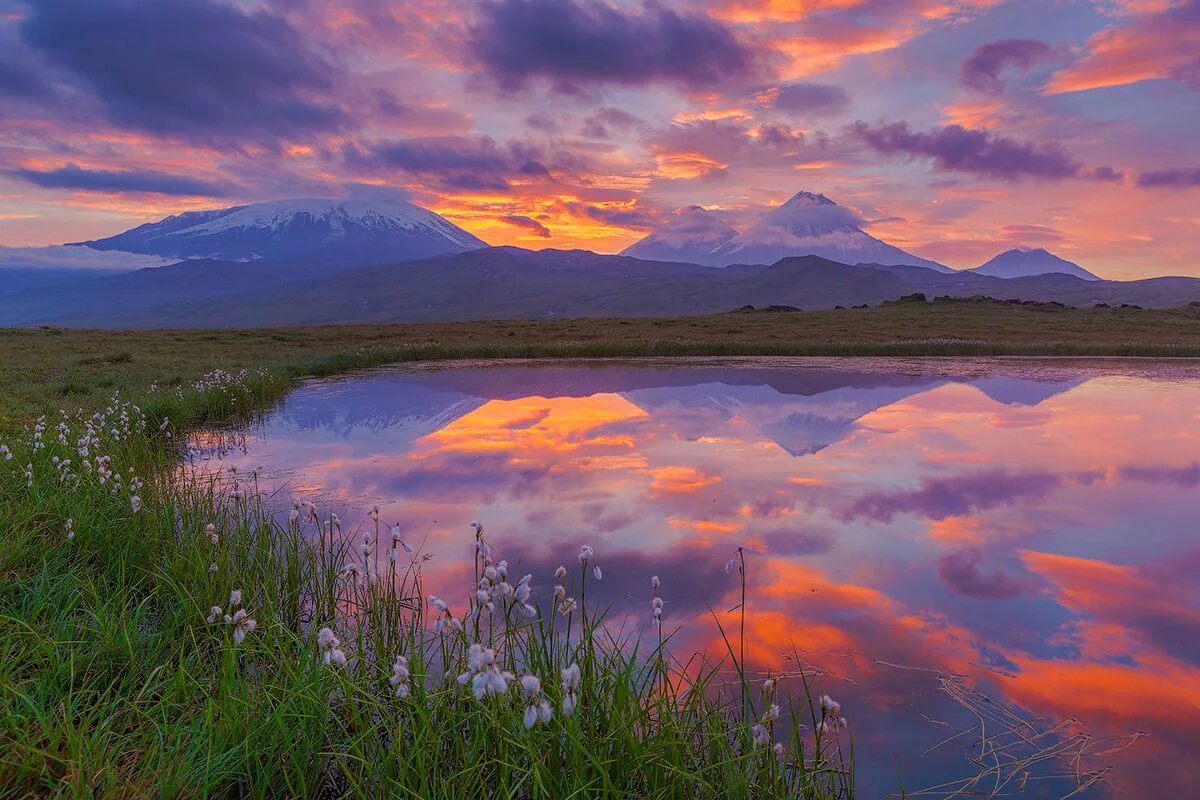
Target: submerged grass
point(164, 633)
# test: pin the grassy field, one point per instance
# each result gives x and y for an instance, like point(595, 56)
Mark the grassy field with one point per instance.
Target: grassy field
point(42, 368)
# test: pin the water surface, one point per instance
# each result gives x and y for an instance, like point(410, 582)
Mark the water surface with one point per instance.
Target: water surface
point(944, 539)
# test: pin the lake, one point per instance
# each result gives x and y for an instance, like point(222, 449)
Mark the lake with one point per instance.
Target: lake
point(992, 562)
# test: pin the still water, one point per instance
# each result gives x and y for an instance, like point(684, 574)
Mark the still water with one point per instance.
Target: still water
point(991, 561)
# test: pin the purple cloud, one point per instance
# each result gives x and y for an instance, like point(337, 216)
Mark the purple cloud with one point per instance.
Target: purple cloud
point(1185, 477)
point(960, 571)
point(1171, 178)
point(18, 80)
point(571, 44)
point(953, 497)
point(982, 69)
point(964, 150)
point(625, 217)
point(192, 68)
point(808, 98)
point(464, 162)
point(528, 223)
point(606, 121)
point(72, 176)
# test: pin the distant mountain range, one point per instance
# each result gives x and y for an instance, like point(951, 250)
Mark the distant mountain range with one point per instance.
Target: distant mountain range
point(1023, 263)
point(326, 261)
point(807, 224)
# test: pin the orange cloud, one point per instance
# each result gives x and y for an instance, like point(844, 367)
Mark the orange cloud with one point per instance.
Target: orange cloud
point(681, 479)
point(1153, 45)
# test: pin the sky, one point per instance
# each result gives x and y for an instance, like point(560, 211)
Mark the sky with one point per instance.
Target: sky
point(954, 129)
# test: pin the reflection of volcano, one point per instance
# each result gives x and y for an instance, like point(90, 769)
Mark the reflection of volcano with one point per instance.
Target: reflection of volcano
point(390, 403)
point(1023, 391)
point(799, 424)
point(803, 410)
point(514, 381)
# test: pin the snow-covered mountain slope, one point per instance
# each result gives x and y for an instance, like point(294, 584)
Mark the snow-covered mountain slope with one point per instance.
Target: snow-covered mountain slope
point(349, 230)
point(1021, 263)
point(812, 224)
point(689, 235)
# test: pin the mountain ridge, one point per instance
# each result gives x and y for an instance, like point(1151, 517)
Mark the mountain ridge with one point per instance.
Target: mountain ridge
point(1019, 263)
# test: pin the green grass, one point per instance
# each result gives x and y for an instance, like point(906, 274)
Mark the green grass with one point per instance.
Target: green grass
point(114, 684)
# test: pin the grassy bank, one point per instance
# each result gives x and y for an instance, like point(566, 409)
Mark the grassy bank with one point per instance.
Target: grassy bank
point(166, 636)
point(43, 368)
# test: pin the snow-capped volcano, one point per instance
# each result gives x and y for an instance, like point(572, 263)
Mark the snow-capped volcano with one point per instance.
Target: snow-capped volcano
point(1019, 263)
point(807, 224)
point(812, 224)
point(689, 235)
point(351, 230)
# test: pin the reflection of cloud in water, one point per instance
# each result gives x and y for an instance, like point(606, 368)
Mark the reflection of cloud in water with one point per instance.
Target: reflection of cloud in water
point(1029, 530)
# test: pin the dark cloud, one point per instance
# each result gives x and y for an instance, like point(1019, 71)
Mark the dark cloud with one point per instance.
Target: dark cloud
point(604, 122)
point(957, 496)
point(527, 223)
point(1171, 178)
point(807, 98)
point(19, 80)
point(1103, 174)
point(960, 571)
point(572, 43)
point(72, 176)
point(466, 162)
point(199, 69)
point(964, 150)
point(1185, 477)
point(982, 69)
point(625, 217)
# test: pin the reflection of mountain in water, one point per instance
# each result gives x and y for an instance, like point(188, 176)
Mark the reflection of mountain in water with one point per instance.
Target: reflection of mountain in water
point(406, 410)
point(802, 409)
point(1023, 391)
point(799, 424)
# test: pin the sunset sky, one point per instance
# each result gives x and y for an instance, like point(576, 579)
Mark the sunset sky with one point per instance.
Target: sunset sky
point(954, 128)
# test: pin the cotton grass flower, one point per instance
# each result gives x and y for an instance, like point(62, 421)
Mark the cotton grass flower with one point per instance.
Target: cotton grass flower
point(242, 623)
point(401, 685)
point(330, 648)
point(70, 529)
point(571, 680)
point(560, 573)
point(537, 710)
point(485, 677)
point(585, 553)
point(831, 719)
